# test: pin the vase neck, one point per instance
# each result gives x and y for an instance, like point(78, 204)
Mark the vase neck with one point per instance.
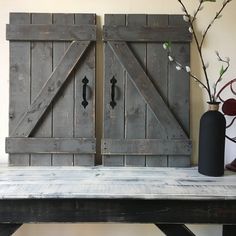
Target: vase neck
point(213, 107)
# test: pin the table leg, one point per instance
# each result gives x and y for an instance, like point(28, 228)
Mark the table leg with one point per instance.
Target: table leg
point(229, 230)
point(8, 229)
point(175, 230)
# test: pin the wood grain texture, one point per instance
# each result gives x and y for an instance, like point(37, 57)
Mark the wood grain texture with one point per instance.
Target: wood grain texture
point(118, 210)
point(229, 230)
point(50, 89)
point(63, 105)
point(149, 86)
point(60, 146)
point(41, 68)
point(49, 32)
point(147, 89)
point(135, 107)
point(43, 84)
point(115, 183)
point(84, 118)
point(113, 119)
point(139, 33)
point(157, 71)
point(141, 147)
point(19, 88)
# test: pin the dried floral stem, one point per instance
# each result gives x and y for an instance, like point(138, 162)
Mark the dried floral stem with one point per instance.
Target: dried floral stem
point(190, 74)
point(199, 51)
point(198, 9)
point(211, 23)
point(221, 73)
point(193, 76)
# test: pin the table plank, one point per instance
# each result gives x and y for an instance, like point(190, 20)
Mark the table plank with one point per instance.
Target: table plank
point(113, 182)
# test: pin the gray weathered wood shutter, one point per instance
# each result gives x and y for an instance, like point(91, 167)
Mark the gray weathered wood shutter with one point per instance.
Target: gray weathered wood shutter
point(146, 101)
point(52, 64)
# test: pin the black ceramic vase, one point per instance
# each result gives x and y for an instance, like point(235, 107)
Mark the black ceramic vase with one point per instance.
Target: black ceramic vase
point(212, 142)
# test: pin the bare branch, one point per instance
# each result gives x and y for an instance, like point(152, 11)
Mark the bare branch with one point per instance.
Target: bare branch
point(218, 14)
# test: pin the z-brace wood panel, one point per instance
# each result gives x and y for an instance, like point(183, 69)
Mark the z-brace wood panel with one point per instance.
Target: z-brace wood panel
point(145, 97)
point(52, 89)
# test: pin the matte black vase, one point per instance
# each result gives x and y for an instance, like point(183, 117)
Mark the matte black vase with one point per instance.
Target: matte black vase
point(212, 142)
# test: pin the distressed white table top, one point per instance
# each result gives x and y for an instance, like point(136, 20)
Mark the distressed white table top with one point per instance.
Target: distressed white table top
point(115, 182)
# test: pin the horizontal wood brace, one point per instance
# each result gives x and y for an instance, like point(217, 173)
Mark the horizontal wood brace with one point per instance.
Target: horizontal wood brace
point(146, 147)
point(51, 32)
point(51, 145)
point(146, 34)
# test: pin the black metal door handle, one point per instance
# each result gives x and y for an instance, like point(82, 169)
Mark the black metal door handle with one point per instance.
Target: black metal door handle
point(113, 83)
point(85, 81)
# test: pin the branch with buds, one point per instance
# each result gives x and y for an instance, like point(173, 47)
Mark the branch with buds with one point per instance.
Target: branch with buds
point(199, 43)
point(179, 66)
point(222, 72)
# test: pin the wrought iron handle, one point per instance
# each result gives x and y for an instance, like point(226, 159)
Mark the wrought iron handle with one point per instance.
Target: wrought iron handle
point(113, 83)
point(85, 82)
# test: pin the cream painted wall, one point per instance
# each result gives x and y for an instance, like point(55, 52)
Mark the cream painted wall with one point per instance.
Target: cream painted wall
point(222, 37)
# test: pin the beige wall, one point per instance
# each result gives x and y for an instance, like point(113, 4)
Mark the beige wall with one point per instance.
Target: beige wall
point(222, 37)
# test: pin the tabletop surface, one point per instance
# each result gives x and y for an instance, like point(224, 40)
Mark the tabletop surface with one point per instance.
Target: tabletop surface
point(113, 182)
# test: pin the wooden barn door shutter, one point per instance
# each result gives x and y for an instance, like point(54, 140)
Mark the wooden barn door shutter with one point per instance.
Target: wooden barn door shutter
point(146, 101)
point(52, 89)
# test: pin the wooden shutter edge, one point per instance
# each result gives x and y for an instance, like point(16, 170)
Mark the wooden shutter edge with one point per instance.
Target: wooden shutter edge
point(146, 34)
point(146, 147)
point(51, 145)
point(50, 32)
point(19, 66)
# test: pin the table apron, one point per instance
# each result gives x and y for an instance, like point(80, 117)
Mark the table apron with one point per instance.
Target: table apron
point(118, 210)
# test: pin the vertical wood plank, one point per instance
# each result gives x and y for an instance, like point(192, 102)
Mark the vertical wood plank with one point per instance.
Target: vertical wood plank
point(135, 107)
point(63, 106)
point(113, 119)
point(19, 83)
point(41, 68)
point(84, 118)
point(179, 81)
point(157, 70)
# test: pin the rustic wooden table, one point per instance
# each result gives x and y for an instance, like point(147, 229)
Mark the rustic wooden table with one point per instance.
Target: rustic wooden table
point(167, 197)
